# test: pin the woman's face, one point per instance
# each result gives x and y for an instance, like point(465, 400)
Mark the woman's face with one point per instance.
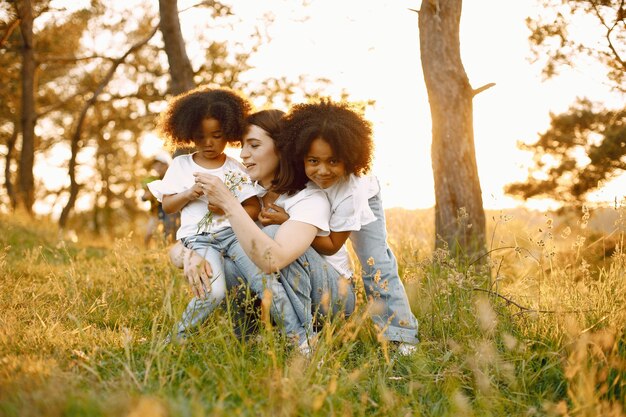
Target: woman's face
point(259, 155)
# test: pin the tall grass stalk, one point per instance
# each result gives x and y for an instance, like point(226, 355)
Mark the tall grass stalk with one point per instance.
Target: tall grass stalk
point(539, 331)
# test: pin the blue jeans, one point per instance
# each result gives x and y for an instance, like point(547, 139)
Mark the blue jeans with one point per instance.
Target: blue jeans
point(385, 287)
point(290, 290)
point(309, 283)
point(211, 246)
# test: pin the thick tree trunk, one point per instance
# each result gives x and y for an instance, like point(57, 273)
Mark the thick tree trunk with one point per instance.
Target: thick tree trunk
point(26, 181)
point(180, 68)
point(459, 214)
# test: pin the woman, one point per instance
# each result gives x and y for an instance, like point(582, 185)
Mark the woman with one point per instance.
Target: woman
point(278, 258)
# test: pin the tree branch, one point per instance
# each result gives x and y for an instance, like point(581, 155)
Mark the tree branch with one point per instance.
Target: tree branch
point(528, 310)
point(9, 31)
point(481, 89)
point(72, 58)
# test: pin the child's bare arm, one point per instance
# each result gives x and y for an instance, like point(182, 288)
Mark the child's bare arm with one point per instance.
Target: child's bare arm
point(329, 245)
point(252, 206)
point(173, 203)
point(273, 215)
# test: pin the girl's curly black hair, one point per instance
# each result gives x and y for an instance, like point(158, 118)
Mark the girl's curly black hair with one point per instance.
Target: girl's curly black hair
point(181, 122)
point(346, 131)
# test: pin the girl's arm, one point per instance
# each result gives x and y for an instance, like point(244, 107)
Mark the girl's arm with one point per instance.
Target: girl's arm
point(173, 203)
point(291, 240)
point(329, 245)
point(252, 206)
point(325, 245)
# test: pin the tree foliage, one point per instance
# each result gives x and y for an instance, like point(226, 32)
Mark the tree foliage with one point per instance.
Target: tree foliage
point(585, 146)
point(94, 101)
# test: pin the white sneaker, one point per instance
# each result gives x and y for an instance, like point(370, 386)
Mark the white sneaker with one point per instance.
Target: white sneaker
point(405, 349)
point(305, 349)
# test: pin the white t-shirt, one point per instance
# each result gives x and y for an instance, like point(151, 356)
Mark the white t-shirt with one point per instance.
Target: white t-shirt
point(307, 206)
point(350, 211)
point(179, 177)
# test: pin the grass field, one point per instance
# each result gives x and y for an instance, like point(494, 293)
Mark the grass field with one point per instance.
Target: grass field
point(537, 330)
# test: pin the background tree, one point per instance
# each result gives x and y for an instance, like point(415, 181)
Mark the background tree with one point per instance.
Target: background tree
point(459, 214)
point(585, 146)
point(180, 69)
point(98, 93)
point(26, 181)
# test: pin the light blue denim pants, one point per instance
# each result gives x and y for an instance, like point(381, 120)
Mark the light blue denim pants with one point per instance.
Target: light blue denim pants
point(210, 246)
point(304, 282)
point(392, 311)
point(213, 246)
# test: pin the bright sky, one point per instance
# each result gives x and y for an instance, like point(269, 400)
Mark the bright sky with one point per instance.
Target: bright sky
point(370, 48)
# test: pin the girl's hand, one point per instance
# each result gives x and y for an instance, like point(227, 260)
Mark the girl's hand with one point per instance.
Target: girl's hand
point(216, 191)
point(273, 215)
point(215, 209)
point(198, 272)
point(195, 192)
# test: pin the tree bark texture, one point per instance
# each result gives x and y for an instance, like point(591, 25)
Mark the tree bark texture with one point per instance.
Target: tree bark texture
point(26, 181)
point(181, 72)
point(7, 166)
point(459, 213)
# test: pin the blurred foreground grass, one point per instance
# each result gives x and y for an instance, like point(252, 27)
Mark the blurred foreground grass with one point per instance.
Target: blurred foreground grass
point(538, 330)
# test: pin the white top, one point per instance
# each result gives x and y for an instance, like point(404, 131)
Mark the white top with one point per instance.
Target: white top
point(350, 211)
point(179, 177)
point(307, 206)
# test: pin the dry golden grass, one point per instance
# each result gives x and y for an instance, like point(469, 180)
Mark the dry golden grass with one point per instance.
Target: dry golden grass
point(541, 332)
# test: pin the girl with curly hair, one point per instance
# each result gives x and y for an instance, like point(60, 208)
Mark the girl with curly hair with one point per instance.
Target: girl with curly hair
point(207, 120)
point(332, 146)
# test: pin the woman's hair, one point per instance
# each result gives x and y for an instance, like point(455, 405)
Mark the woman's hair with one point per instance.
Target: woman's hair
point(181, 122)
point(346, 131)
point(285, 179)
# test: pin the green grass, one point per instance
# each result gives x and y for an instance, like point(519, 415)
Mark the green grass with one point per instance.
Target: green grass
point(82, 326)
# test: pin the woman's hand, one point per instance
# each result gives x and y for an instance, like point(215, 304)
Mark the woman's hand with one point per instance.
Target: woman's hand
point(273, 215)
point(214, 188)
point(198, 272)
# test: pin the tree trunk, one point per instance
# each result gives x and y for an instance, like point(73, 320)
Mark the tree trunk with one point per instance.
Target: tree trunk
point(26, 181)
point(459, 214)
point(7, 166)
point(181, 72)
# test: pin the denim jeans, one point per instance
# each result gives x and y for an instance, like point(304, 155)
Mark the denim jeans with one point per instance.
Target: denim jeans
point(331, 293)
point(210, 246)
point(290, 291)
point(385, 287)
point(309, 283)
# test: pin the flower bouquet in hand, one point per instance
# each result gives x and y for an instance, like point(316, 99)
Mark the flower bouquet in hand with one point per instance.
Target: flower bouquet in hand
point(233, 181)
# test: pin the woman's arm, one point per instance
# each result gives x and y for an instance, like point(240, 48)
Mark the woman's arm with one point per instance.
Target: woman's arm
point(173, 203)
point(329, 245)
point(291, 240)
